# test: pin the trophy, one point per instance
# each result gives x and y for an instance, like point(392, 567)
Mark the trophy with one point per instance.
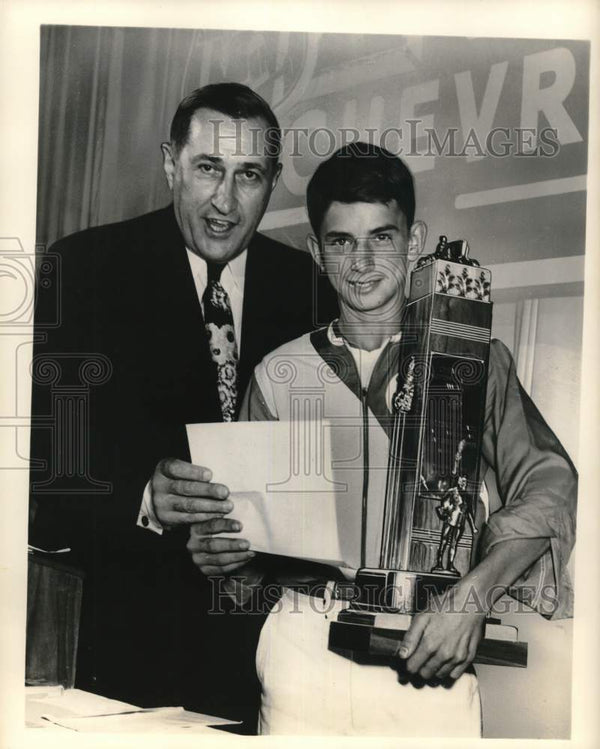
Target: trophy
point(432, 485)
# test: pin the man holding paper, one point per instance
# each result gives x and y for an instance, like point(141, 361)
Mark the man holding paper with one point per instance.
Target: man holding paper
point(361, 207)
point(178, 305)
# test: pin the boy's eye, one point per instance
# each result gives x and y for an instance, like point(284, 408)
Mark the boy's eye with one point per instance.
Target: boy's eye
point(383, 238)
point(341, 242)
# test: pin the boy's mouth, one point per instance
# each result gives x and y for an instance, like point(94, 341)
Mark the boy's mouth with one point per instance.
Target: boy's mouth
point(365, 284)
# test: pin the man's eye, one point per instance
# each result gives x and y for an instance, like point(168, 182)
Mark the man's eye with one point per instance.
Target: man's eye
point(206, 168)
point(250, 176)
point(341, 242)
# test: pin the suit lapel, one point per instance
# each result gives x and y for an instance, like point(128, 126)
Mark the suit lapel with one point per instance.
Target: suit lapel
point(178, 314)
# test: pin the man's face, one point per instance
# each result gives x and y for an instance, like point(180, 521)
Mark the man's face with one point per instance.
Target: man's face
point(221, 182)
point(365, 249)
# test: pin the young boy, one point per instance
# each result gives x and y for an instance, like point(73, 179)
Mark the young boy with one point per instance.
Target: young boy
point(361, 207)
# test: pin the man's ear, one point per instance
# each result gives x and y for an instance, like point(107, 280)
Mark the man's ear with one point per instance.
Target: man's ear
point(416, 240)
point(168, 163)
point(313, 247)
point(276, 173)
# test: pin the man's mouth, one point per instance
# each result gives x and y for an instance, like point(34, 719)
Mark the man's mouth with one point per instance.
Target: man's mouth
point(219, 227)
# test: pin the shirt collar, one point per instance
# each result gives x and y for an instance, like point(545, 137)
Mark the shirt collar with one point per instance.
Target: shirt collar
point(337, 339)
point(235, 269)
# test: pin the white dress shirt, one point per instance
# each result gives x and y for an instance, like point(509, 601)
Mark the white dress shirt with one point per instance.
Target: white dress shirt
point(232, 280)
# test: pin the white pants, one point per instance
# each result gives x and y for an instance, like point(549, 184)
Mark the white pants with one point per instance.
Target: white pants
point(307, 689)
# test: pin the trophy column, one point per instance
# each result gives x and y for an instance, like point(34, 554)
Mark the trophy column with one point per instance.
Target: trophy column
point(433, 485)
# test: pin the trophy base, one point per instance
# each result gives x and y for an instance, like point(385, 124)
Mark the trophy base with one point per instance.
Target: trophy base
point(399, 591)
point(379, 616)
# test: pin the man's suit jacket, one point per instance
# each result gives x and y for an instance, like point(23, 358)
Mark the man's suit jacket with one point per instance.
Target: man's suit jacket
point(128, 302)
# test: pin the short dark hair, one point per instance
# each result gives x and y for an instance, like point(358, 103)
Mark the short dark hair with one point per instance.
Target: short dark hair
point(360, 173)
point(232, 99)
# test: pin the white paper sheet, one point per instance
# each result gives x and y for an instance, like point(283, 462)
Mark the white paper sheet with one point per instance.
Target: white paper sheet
point(66, 703)
point(153, 720)
point(302, 526)
point(55, 707)
point(281, 483)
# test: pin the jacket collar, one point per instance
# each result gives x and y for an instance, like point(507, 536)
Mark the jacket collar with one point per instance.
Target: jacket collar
point(332, 348)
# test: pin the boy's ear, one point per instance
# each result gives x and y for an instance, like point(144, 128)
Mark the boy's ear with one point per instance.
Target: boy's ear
point(313, 247)
point(416, 240)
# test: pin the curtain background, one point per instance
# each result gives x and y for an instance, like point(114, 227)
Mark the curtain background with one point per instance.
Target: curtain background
point(107, 96)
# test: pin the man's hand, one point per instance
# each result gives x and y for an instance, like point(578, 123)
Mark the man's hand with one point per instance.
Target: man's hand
point(218, 556)
point(443, 643)
point(182, 494)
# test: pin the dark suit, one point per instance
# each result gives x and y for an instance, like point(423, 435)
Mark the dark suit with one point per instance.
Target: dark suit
point(128, 295)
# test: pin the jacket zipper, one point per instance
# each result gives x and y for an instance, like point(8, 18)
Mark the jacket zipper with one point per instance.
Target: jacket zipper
point(365, 490)
point(364, 393)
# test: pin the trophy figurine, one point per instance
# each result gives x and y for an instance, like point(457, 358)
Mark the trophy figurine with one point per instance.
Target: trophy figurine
point(432, 484)
point(453, 511)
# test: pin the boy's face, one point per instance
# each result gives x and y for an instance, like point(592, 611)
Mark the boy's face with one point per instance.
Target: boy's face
point(365, 249)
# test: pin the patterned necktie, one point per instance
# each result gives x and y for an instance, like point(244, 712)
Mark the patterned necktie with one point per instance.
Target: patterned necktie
point(218, 320)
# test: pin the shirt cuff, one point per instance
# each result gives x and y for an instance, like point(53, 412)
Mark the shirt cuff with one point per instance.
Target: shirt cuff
point(146, 517)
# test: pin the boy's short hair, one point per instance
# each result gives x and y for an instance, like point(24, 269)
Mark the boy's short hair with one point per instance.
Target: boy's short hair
point(360, 173)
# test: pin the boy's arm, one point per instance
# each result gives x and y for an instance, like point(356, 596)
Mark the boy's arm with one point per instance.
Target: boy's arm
point(537, 483)
point(525, 545)
point(443, 643)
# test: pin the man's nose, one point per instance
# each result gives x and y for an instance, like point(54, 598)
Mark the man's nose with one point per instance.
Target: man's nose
point(224, 197)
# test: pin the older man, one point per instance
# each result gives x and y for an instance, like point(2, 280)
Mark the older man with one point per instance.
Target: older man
point(183, 302)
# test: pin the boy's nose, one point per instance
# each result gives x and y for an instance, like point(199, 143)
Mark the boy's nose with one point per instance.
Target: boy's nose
point(362, 258)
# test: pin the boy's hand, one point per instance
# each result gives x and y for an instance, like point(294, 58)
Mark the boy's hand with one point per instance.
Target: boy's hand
point(218, 556)
point(443, 642)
